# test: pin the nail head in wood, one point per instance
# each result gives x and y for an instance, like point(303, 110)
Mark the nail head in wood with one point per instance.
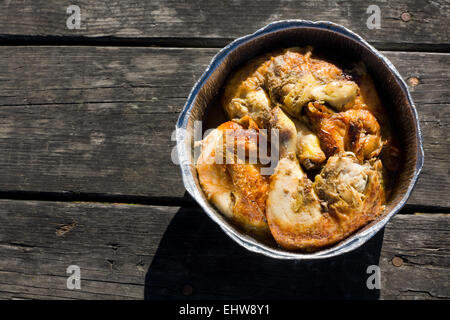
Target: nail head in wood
point(397, 261)
point(413, 81)
point(405, 16)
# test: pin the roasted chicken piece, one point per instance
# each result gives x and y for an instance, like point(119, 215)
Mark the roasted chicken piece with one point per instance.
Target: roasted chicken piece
point(287, 134)
point(305, 215)
point(291, 78)
point(293, 209)
point(244, 94)
point(233, 185)
point(352, 191)
point(368, 98)
point(353, 130)
point(295, 78)
point(309, 152)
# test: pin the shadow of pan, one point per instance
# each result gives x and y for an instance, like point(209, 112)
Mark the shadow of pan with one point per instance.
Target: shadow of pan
point(196, 260)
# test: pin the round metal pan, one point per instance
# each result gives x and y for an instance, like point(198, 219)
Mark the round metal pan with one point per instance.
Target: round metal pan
point(341, 42)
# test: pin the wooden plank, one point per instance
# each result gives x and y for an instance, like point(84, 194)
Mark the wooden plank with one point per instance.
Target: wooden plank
point(210, 23)
point(112, 244)
point(421, 242)
point(98, 120)
point(103, 101)
point(132, 251)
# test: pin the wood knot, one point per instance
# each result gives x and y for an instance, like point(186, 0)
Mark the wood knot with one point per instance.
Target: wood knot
point(397, 261)
point(405, 16)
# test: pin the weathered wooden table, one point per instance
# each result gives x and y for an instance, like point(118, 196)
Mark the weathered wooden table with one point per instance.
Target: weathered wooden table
point(86, 117)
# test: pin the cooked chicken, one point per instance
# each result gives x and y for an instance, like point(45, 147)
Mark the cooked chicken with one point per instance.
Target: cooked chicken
point(368, 98)
point(357, 131)
point(293, 209)
point(338, 94)
point(327, 121)
point(294, 79)
point(345, 196)
point(234, 186)
point(287, 133)
point(352, 191)
point(244, 94)
point(309, 152)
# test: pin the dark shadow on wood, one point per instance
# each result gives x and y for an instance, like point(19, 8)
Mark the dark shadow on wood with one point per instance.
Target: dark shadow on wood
point(196, 260)
point(71, 196)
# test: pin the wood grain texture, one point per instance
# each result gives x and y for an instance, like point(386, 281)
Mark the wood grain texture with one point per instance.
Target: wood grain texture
point(204, 22)
point(135, 252)
point(425, 257)
point(98, 117)
point(98, 120)
point(112, 244)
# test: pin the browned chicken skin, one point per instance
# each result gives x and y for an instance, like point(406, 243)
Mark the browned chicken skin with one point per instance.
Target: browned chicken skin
point(353, 130)
point(307, 215)
point(295, 78)
point(235, 186)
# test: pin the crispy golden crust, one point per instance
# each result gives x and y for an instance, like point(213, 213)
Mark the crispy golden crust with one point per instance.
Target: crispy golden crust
point(355, 130)
point(234, 186)
point(294, 211)
point(304, 215)
point(250, 191)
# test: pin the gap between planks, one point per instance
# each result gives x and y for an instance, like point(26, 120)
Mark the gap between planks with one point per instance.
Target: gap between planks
point(191, 43)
